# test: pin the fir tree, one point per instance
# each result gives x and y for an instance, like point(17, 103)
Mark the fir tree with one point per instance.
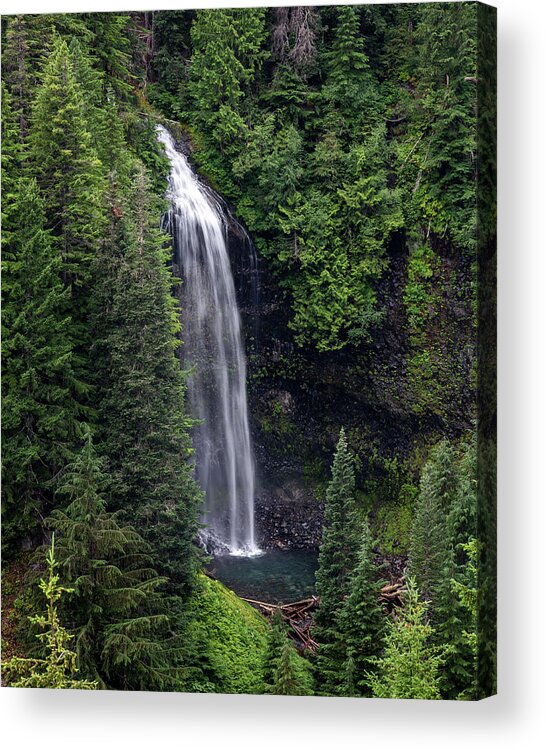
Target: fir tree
point(291, 676)
point(444, 521)
point(58, 669)
point(429, 544)
point(337, 559)
point(275, 642)
point(467, 594)
point(41, 404)
point(409, 667)
point(119, 616)
point(68, 170)
point(361, 622)
point(454, 619)
point(144, 428)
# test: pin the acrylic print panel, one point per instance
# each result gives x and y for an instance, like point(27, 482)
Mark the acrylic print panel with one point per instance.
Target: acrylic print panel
point(249, 350)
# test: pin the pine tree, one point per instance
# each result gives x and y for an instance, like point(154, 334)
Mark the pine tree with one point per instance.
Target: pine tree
point(119, 616)
point(361, 622)
point(337, 559)
point(144, 429)
point(409, 667)
point(41, 407)
point(58, 669)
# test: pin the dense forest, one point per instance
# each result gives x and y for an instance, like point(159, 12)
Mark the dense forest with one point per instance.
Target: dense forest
point(352, 148)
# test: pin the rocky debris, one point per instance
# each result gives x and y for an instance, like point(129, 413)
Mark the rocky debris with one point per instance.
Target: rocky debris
point(289, 517)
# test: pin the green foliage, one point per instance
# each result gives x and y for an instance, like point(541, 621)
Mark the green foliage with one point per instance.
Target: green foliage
point(429, 537)
point(284, 671)
point(41, 394)
point(59, 667)
point(120, 620)
point(226, 639)
point(307, 168)
point(144, 429)
point(276, 639)
point(361, 623)
point(337, 559)
point(444, 524)
point(292, 676)
point(468, 597)
point(409, 667)
point(393, 521)
point(67, 167)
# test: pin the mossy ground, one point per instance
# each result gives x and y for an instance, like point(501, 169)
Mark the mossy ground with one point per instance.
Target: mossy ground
point(235, 635)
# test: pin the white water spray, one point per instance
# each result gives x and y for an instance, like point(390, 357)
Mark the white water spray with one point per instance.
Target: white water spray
point(213, 348)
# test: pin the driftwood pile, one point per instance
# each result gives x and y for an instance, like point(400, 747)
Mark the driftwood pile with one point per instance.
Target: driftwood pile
point(392, 595)
point(297, 616)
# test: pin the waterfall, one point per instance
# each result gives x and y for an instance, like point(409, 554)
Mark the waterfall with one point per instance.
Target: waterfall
point(214, 354)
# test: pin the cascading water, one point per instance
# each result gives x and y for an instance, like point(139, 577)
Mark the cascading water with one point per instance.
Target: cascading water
point(213, 349)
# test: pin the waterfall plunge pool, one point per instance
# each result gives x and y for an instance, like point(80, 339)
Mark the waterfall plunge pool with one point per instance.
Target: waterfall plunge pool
point(277, 576)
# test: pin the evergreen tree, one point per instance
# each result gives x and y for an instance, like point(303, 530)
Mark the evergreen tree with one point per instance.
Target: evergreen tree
point(144, 428)
point(58, 669)
point(291, 678)
point(454, 619)
point(467, 594)
point(68, 171)
point(361, 622)
point(110, 44)
point(120, 618)
point(275, 642)
point(337, 559)
point(444, 521)
point(226, 55)
point(430, 544)
point(284, 672)
point(409, 667)
point(41, 406)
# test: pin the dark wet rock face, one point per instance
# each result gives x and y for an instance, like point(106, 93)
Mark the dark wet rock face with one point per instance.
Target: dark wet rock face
point(288, 517)
point(390, 403)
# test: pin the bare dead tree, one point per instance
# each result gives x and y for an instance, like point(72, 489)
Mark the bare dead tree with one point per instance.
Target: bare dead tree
point(303, 24)
point(294, 35)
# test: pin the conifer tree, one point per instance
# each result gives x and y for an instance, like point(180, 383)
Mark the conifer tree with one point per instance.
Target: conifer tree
point(291, 676)
point(110, 45)
point(454, 619)
point(361, 621)
point(350, 84)
point(119, 615)
point(68, 171)
point(41, 407)
point(430, 543)
point(409, 667)
point(444, 521)
point(275, 641)
point(337, 559)
point(58, 669)
point(144, 428)
point(467, 594)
